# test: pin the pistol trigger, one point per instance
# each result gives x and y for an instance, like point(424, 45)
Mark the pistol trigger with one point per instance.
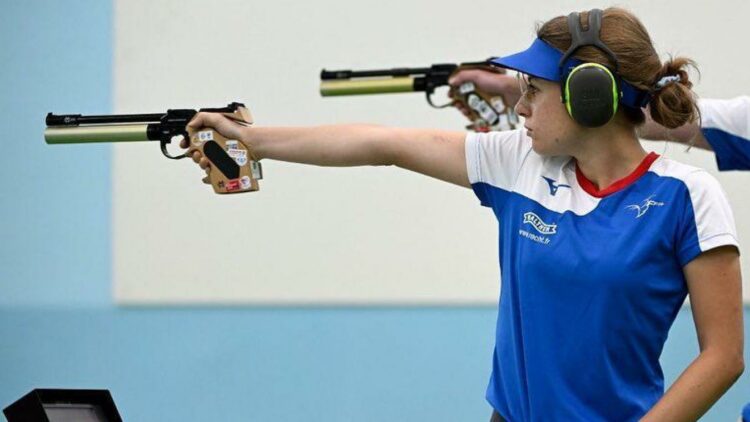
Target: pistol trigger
point(429, 101)
point(168, 155)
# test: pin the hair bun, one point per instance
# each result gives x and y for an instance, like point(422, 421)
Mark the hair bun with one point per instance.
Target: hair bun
point(673, 102)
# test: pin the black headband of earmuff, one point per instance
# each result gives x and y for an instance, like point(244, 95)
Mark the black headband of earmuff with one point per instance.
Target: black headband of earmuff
point(589, 37)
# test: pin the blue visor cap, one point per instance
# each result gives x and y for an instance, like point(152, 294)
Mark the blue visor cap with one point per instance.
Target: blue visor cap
point(541, 60)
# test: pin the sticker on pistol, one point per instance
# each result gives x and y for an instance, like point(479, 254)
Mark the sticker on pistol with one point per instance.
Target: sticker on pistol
point(482, 108)
point(231, 145)
point(512, 117)
point(245, 182)
point(256, 170)
point(481, 126)
point(239, 156)
point(466, 88)
point(206, 135)
point(503, 123)
point(233, 185)
point(498, 104)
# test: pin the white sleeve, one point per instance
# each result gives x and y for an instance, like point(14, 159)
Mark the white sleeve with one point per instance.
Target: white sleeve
point(726, 126)
point(493, 162)
point(708, 223)
point(731, 116)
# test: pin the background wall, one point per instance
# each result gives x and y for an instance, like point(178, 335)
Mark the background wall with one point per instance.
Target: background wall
point(59, 327)
point(400, 237)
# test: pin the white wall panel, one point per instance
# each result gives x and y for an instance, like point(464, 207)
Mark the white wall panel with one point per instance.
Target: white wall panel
point(337, 236)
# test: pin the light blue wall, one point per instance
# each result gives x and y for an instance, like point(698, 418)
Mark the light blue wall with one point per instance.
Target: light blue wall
point(54, 218)
point(58, 327)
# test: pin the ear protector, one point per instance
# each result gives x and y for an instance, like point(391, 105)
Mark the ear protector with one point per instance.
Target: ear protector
point(590, 91)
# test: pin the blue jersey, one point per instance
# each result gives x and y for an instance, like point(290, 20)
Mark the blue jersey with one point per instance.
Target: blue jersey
point(591, 280)
point(726, 126)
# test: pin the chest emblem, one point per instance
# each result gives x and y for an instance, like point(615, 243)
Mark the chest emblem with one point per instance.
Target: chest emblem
point(554, 186)
point(539, 224)
point(644, 206)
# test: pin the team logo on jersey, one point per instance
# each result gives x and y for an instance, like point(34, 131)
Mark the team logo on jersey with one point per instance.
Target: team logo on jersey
point(539, 224)
point(644, 206)
point(554, 186)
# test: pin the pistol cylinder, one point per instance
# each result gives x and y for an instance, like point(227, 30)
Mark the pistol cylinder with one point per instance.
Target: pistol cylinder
point(330, 88)
point(91, 134)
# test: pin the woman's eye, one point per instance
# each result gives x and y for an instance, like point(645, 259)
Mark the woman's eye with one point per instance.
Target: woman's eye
point(531, 91)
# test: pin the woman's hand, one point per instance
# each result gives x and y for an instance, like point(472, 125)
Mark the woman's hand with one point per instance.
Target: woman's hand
point(226, 127)
point(488, 81)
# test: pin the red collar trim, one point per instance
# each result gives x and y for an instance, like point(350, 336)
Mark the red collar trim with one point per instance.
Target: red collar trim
point(626, 181)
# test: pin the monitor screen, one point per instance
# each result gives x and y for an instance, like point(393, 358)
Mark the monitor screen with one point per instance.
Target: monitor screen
point(73, 412)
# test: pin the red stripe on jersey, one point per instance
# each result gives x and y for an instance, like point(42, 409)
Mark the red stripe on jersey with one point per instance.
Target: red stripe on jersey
point(626, 181)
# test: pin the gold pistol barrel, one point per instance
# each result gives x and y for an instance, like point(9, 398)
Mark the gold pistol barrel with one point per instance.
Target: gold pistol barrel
point(97, 133)
point(329, 88)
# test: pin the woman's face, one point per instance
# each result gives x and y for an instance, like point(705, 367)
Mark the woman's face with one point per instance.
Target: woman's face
point(552, 130)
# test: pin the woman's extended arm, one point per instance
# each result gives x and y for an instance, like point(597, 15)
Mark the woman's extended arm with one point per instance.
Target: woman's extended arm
point(435, 153)
point(715, 287)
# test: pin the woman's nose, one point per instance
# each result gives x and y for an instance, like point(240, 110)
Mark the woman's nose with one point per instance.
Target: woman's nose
point(522, 109)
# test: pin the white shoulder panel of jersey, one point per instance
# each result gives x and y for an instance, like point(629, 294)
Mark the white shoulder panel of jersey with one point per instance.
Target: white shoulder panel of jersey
point(666, 167)
point(552, 182)
point(496, 157)
point(731, 116)
point(714, 219)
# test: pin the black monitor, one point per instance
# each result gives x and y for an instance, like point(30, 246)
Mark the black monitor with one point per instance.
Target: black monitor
point(59, 405)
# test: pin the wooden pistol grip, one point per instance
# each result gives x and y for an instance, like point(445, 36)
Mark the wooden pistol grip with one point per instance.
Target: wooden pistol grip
point(233, 168)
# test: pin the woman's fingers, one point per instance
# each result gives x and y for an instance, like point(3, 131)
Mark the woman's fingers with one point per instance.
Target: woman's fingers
point(224, 126)
point(201, 120)
point(203, 163)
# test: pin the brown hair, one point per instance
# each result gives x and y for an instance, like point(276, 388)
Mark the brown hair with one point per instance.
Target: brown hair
point(638, 63)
